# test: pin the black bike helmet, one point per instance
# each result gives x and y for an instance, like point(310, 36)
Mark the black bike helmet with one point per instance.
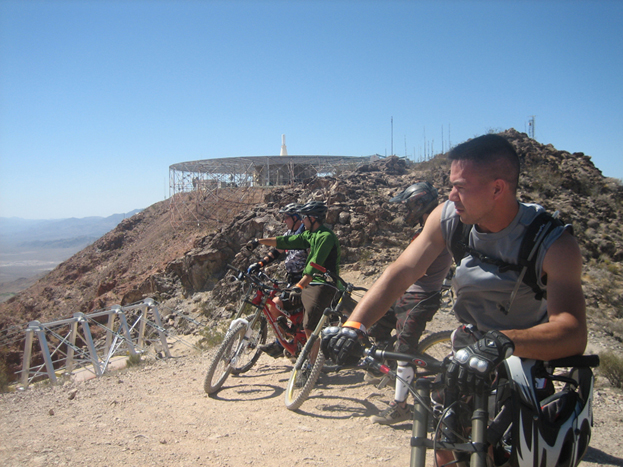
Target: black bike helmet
point(318, 209)
point(291, 210)
point(420, 198)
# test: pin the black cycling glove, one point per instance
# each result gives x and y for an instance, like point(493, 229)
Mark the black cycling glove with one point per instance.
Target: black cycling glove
point(252, 244)
point(471, 366)
point(293, 295)
point(342, 345)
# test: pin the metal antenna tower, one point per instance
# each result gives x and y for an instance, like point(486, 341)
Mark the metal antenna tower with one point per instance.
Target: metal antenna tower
point(531, 126)
point(392, 148)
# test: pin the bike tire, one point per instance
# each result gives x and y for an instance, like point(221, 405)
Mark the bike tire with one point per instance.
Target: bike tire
point(248, 356)
point(296, 394)
point(220, 367)
point(437, 345)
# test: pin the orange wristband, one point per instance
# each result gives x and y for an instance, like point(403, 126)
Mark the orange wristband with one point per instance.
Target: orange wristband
point(299, 286)
point(356, 325)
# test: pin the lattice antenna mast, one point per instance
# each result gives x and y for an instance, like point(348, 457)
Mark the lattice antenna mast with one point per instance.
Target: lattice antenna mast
point(392, 145)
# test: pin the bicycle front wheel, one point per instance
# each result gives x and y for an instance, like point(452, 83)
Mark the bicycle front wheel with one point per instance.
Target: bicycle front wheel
point(249, 350)
point(303, 377)
point(438, 345)
point(221, 365)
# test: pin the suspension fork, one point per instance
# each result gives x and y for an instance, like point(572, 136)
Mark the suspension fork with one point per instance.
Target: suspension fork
point(480, 417)
point(419, 437)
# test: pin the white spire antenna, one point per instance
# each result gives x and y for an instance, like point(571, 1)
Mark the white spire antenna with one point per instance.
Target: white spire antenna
point(284, 151)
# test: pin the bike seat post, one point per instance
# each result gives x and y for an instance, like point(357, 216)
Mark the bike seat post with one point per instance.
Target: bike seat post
point(420, 423)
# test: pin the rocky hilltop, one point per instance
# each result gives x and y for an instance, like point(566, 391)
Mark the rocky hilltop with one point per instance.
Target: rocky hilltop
point(150, 255)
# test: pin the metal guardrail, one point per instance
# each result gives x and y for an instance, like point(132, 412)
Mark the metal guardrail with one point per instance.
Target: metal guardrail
point(62, 354)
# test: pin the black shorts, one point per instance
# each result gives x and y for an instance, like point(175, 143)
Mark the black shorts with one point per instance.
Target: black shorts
point(316, 298)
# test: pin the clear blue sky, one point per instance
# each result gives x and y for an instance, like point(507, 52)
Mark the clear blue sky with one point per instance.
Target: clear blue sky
point(98, 98)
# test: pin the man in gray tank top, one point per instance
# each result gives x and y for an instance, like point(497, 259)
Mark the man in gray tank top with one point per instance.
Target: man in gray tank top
point(484, 176)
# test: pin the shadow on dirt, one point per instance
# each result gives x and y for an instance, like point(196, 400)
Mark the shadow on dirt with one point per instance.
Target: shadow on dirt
point(601, 458)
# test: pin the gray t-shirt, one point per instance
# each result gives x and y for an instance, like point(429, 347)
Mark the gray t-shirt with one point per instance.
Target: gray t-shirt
point(482, 291)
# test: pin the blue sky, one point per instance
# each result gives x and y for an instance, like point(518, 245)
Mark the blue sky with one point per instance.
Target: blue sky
point(98, 98)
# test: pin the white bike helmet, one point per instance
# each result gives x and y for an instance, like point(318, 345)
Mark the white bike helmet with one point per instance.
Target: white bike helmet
point(554, 431)
point(291, 210)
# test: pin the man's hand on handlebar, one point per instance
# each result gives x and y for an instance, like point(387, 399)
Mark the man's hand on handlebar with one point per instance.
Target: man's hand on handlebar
point(471, 366)
point(254, 268)
point(342, 345)
point(293, 295)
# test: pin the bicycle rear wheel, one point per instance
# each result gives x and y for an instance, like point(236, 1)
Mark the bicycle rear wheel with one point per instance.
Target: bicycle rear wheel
point(250, 350)
point(221, 364)
point(438, 345)
point(303, 377)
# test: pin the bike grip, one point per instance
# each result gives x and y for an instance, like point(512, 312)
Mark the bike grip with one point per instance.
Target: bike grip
point(580, 361)
point(317, 266)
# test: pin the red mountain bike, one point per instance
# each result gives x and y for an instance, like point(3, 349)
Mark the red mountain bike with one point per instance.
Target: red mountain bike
point(239, 350)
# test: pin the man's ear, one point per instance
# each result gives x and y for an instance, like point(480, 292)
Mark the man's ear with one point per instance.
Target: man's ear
point(499, 187)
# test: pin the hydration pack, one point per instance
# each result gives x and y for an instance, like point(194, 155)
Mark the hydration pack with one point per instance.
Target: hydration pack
point(542, 225)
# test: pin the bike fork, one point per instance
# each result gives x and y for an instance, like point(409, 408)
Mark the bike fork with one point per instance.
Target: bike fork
point(309, 345)
point(420, 423)
point(480, 418)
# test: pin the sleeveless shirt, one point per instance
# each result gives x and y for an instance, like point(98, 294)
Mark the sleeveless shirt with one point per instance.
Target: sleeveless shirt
point(482, 291)
point(435, 274)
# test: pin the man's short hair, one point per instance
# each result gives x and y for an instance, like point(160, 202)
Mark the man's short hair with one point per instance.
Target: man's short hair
point(494, 155)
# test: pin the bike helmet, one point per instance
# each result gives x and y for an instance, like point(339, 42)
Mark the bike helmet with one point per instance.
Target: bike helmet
point(318, 209)
point(291, 210)
point(550, 432)
point(420, 198)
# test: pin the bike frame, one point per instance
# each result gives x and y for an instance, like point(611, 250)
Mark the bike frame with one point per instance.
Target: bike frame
point(262, 301)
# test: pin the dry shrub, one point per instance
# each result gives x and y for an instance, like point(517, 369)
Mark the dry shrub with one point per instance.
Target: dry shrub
point(611, 366)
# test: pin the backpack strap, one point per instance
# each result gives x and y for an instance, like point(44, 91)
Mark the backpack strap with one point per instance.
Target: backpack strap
point(459, 243)
point(538, 229)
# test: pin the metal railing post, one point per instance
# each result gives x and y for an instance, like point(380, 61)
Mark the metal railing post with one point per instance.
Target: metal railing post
point(123, 323)
point(163, 337)
point(141, 326)
point(45, 350)
point(30, 330)
point(72, 344)
point(109, 332)
point(89, 341)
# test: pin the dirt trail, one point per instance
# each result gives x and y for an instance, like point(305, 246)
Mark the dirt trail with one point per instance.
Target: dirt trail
point(157, 414)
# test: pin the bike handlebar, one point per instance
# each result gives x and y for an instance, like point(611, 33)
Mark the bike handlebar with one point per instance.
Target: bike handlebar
point(257, 280)
point(578, 361)
point(336, 278)
point(426, 362)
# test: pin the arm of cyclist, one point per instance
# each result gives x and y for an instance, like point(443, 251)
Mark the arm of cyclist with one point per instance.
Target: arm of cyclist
point(341, 344)
point(398, 277)
point(565, 334)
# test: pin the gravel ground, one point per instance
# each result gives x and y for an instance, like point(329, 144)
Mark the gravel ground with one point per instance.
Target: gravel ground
point(157, 414)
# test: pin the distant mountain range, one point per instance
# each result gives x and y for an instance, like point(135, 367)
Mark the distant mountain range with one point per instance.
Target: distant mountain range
point(20, 234)
point(31, 248)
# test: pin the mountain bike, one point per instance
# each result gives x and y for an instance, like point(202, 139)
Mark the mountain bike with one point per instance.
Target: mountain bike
point(306, 371)
point(541, 416)
point(240, 348)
